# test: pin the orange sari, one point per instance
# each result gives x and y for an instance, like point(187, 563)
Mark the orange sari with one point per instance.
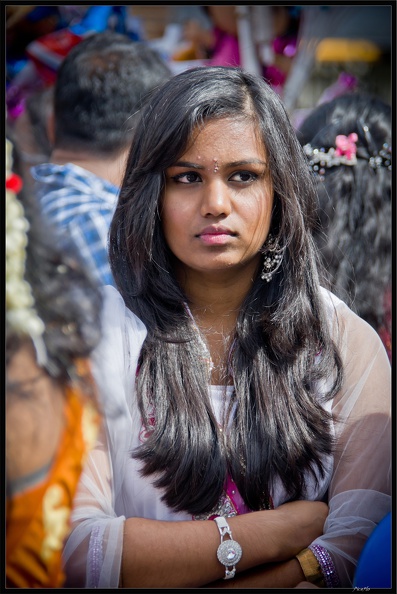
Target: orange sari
point(37, 519)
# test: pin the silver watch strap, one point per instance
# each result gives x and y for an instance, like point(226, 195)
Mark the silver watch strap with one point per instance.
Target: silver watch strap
point(229, 551)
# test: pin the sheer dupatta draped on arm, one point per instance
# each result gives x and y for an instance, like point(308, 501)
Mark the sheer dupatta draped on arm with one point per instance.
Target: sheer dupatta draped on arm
point(359, 494)
point(93, 551)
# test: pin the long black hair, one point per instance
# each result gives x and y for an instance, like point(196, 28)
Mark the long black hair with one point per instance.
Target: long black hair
point(280, 429)
point(355, 213)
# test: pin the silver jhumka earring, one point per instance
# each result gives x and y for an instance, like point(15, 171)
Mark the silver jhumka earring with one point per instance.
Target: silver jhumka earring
point(272, 258)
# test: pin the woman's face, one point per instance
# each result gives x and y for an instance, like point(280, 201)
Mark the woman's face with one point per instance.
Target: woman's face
point(218, 200)
point(34, 415)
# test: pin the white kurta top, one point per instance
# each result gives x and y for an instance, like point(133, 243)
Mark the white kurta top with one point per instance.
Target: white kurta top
point(112, 489)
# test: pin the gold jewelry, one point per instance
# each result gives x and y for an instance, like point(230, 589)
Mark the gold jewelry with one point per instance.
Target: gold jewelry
point(311, 568)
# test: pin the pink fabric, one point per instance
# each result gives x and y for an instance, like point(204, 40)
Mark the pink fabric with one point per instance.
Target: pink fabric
point(226, 50)
point(234, 495)
point(385, 330)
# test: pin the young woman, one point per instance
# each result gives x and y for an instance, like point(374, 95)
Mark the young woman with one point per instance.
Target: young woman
point(236, 389)
point(52, 413)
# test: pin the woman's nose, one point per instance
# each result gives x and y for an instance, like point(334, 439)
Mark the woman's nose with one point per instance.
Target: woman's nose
point(216, 199)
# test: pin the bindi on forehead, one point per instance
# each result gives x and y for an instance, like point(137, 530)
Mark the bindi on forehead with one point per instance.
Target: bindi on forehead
point(215, 162)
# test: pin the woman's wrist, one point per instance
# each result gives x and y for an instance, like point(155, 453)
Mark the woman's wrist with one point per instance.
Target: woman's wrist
point(318, 567)
point(327, 566)
point(311, 568)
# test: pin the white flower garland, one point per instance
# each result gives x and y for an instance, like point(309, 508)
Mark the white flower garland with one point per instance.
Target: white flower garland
point(22, 317)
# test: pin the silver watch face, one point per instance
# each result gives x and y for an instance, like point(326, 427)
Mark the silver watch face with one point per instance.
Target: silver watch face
point(229, 552)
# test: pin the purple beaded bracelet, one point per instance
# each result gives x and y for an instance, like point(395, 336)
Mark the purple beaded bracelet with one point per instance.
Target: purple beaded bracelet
point(327, 566)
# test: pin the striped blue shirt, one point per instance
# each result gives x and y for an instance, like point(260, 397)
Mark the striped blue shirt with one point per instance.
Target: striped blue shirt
point(80, 205)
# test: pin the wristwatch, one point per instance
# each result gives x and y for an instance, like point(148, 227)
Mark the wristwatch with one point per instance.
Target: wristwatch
point(229, 551)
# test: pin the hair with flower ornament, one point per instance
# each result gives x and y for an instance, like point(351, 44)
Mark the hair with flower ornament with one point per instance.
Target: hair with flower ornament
point(345, 153)
point(50, 298)
point(348, 145)
point(21, 315)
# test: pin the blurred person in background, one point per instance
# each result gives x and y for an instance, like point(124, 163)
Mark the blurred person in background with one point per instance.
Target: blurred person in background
point(29, 132)
point(348, 145)
point(219, 42)
point(52, 412)
point(98, 92)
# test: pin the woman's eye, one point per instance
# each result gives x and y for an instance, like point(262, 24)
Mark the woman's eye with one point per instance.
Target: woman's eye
point(187, 178)
point(243, 176)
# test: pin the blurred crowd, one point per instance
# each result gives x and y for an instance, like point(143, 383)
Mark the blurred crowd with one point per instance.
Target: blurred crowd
point(341, 47)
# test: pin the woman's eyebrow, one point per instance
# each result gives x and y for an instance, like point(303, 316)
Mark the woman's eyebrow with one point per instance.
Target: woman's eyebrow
point(232, 164)
point(246, 162)
point(187, 164)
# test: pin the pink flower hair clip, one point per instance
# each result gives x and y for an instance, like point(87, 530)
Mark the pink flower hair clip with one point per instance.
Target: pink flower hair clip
point(346, 146)
point(344, 154)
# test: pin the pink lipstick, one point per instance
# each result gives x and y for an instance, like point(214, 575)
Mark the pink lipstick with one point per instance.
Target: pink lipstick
point(215, 235)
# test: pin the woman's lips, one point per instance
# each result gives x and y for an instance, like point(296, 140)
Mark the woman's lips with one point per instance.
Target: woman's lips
point(215, 235)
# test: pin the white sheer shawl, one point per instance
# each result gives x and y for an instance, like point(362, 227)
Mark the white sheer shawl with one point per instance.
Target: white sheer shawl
point(111, 489)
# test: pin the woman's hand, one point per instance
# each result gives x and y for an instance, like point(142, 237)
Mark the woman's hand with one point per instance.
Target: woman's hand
point(301, 522)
